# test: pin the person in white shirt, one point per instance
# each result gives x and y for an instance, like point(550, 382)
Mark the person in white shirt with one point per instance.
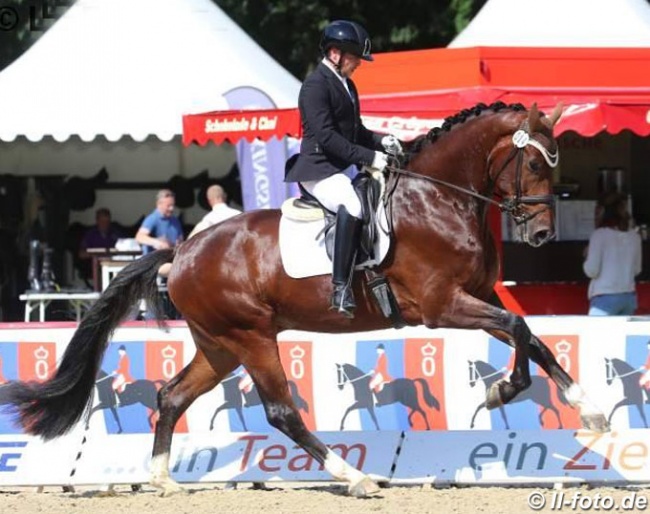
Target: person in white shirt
point(221, 211)
point(613, 261)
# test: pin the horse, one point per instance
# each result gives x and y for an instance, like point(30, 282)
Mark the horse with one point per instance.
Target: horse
point(539, 392)
point(144, 392)
point(232, 397)
point(399, 390)
point(633, 393)
point(229, 284)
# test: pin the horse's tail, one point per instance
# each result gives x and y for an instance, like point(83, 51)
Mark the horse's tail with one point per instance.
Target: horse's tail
point(51, 408)
point(297, 399)
point(431, 400)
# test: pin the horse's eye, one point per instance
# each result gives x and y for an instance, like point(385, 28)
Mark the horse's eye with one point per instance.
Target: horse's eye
point(535, 166)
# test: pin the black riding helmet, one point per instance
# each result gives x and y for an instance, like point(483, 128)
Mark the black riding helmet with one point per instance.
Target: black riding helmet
point(349, 37)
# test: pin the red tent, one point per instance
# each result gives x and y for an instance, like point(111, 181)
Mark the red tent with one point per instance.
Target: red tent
point(409, 92)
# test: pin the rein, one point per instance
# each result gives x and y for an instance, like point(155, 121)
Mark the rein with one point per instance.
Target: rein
point(520, 139)
point(346, 378)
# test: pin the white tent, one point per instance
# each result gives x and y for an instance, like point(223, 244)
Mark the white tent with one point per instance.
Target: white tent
point(133, 68)
point(559, 23)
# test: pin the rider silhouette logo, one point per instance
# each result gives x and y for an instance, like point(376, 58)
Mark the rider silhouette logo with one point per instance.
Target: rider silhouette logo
point(631, 376)
point(127, 385)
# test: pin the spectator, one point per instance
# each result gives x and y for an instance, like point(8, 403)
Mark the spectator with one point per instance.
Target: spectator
point(221, 211)
point(160, 229)
point(102, 235)
point(613, 260)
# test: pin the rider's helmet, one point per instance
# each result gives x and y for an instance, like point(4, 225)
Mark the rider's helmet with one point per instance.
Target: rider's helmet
point(349, 37)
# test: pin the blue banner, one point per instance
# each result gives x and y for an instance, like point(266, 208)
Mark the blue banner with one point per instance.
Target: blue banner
point(261, 163)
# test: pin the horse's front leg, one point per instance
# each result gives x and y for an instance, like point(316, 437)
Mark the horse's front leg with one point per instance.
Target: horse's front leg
point(591, 416)
point(462, 310)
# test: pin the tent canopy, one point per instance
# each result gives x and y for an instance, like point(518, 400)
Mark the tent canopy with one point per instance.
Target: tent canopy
point(133, 68)
point(601, 89)
point(559, 23)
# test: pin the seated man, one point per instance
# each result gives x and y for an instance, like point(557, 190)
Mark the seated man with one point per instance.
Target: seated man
point(103, 235)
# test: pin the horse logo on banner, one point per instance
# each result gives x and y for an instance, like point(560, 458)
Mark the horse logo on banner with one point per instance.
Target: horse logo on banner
point(381, 392)
point(132, 401)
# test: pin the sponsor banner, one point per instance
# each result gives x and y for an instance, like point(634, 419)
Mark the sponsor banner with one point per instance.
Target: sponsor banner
point(232, 456)
point(28, 461)
point(261, 163)
point(527, 456)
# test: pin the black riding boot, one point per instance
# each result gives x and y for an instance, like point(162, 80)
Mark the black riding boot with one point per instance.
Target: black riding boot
point(33, 271)
point(346, 241)
point(47, 275)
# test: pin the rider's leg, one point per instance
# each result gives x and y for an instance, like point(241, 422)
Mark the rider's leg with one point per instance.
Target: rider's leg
point(337, 194)
point(346, 242)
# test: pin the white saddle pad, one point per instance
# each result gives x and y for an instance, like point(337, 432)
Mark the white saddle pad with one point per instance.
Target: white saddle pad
point(304, 256)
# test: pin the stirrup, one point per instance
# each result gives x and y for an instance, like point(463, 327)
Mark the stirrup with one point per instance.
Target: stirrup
point(345, 304)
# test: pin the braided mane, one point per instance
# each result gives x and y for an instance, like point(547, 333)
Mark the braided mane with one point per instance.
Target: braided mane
point(432, 136)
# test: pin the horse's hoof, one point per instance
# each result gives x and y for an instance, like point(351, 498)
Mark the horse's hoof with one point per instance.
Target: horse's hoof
point(364, 488)
point(493, 397)
point(168, 487)
point(595, 422)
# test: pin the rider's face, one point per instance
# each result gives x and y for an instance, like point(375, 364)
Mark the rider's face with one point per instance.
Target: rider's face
point(349, 63)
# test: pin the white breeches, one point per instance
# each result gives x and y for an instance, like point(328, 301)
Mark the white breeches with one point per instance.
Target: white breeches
point(333, 191)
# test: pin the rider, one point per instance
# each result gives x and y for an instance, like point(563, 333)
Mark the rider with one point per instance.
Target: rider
point(334, 139)
point(122, 374)
point(380, 375)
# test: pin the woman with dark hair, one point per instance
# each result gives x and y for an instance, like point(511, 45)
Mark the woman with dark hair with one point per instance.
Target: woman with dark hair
point(613, 260)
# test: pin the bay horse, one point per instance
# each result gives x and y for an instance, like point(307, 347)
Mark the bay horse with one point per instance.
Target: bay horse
point(230, 286)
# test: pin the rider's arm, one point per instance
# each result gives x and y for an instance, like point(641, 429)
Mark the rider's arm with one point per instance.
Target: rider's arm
point(316, 109)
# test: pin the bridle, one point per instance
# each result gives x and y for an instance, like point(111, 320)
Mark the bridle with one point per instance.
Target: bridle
point(511, 205)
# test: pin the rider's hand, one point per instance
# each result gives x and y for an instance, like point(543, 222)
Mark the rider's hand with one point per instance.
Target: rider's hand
point(380, 161)
point(391, 145)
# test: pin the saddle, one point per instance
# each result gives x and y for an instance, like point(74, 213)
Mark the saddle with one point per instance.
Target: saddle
point(370, 189)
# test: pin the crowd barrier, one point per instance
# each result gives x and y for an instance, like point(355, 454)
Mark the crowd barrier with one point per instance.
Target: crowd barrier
point(427, 424)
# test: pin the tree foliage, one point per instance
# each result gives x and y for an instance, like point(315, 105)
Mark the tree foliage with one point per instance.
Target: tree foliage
point(289, 30)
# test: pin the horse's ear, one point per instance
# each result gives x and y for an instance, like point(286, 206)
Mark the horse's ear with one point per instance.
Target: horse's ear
point(533, 117)
point(555, 115)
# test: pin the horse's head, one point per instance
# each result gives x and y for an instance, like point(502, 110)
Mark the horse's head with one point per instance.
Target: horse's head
point(521, 168)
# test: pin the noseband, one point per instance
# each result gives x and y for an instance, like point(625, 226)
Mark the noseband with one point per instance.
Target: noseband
point(511, 205)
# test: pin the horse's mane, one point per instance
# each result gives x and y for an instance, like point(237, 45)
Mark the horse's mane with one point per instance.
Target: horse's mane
point(432, 136)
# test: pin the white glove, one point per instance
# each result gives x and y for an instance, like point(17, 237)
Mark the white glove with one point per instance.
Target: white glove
point(391, 145)
point(380, 161)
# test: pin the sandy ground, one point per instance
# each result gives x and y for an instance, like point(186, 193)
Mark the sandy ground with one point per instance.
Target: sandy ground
point(324, 498)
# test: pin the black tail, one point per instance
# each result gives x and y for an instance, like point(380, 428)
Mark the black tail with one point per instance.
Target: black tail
point(431, 400)
point(50, 409)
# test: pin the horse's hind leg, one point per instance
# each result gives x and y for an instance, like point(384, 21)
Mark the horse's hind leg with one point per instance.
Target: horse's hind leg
point(265, 368)
point(198, 377)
